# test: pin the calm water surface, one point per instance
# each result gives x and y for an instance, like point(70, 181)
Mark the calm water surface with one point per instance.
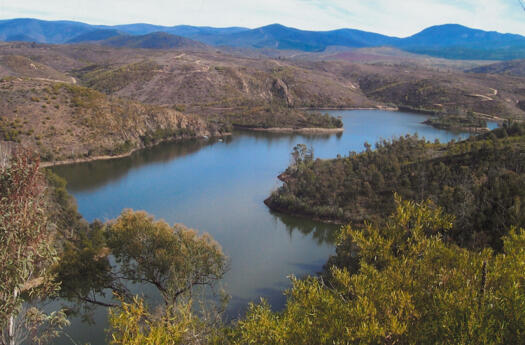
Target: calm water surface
point(219, 188)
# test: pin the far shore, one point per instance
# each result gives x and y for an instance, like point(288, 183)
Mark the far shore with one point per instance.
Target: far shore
point(314, 130)
point(124, 155)
point(377, 107)
point(87, 159)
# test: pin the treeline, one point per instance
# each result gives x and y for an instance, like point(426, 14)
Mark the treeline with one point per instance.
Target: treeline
point(278, 116)
point(480, 181)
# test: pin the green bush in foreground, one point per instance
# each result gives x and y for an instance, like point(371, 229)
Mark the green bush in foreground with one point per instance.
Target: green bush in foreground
point(410, 287)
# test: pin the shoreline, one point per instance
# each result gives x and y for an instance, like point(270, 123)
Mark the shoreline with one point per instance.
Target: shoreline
point(124, 155)
point(313, 130)
point(88, 159)
point(377, 107)
point(286, 212)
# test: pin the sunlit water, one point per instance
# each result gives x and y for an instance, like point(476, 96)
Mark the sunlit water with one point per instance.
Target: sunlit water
point(219, 188)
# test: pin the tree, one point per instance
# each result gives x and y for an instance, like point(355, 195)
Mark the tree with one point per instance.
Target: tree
point(301, 153)
point(174, 259)
point(27, 254)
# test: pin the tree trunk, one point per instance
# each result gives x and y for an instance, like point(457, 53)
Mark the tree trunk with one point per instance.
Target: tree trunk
point(11, 326)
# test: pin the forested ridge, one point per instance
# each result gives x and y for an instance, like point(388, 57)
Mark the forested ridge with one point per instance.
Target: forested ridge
point(480, 181)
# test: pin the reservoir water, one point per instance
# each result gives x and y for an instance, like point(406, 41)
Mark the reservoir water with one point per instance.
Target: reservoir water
point(219, 188)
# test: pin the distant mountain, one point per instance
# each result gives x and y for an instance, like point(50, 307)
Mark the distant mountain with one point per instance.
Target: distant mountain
point(193, 32)
point(455, 41)
point(515, 68)
point(155, 40)
point(448, 41)
point(95, 35)
point(59, 32)
point(34, 30)
point(281, 37)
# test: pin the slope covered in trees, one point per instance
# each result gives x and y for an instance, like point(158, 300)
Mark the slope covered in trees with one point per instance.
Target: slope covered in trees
point(480, 181)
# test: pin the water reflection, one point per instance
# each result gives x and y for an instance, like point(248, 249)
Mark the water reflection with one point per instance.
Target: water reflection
point(322, 233)
point(91, 175)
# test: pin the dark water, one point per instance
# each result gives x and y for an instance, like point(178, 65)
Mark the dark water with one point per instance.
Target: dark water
point(219, 188)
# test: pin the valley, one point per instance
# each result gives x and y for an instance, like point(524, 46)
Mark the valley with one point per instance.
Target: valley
point(267, 185)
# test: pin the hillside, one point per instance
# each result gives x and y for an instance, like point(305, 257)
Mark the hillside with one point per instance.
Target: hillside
point(16, 65)
point(453, 41)
point(156, 40)
point(66, 122)
point(233, 89)
point(41, 31)
point(95, 35)
point(514, 68)
point(480, 181)
point(449, 41)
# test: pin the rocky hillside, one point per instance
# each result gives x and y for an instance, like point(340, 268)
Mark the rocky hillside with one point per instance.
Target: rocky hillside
point(68, 122)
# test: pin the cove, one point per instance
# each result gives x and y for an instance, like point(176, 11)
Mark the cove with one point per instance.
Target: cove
point(219, 188)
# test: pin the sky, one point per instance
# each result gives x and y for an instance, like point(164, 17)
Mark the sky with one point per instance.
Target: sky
point(391, 17)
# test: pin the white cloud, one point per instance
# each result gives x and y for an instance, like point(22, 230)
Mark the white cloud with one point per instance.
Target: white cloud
point(392, 17)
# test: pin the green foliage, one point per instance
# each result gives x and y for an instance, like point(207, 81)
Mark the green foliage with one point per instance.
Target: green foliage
point(152, 138)
point(62, 210)
point(481, 181)
point(27, 254)
point(83, 97)
point(172, 259)
point(10, 131)
point(469, 122)
point(410, 288)
point(277, 115)
point(134, 324)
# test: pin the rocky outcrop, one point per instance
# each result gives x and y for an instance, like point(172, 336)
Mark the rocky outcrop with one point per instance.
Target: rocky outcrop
point(280, 90)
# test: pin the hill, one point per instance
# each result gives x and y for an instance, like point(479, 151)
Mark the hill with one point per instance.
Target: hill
point(63, 121)
point(481, 181)
point(41, 31)
point(454, 41)
point(514, 68)
point(193, 32)
point(156, 40)
point(95, 35)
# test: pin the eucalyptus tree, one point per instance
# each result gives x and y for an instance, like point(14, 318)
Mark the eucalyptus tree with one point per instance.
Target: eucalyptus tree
point(27, 254)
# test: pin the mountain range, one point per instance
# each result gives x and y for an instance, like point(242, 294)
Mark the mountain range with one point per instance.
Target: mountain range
point(450, 41)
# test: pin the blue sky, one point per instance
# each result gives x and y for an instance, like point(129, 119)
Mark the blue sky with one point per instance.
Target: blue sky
point(391, 17)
